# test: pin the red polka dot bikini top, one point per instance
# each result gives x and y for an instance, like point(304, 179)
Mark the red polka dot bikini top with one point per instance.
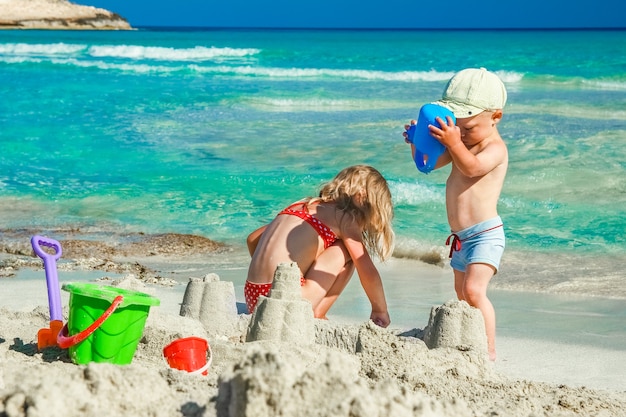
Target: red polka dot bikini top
point(327, 235)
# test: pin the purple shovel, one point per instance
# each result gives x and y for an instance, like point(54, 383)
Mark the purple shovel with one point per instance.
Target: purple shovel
point(48, 337)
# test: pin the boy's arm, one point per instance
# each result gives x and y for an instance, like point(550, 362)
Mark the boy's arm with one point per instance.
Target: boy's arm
point(471, 165)
point(443, 160)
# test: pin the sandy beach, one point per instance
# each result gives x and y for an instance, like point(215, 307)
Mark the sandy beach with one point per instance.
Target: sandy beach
point(279, 361)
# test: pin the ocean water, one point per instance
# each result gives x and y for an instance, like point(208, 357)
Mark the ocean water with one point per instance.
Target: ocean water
point(211, 132)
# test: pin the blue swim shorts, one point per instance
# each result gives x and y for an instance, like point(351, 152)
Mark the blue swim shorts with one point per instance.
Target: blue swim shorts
point(482, 243)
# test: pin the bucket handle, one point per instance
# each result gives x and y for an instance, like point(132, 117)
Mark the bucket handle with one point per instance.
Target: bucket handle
point(206, 366)
point(64, 341)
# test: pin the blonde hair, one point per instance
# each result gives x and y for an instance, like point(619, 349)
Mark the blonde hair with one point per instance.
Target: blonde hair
point(362, 192)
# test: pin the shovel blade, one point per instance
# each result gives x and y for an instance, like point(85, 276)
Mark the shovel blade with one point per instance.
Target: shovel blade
point(48, 337)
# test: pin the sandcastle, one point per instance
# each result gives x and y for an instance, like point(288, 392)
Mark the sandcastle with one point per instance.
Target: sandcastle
point(283, 316)
point(456, 324)
point(212, 302)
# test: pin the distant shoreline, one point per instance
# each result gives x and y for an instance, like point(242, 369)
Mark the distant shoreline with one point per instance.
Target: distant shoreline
point(57, 15)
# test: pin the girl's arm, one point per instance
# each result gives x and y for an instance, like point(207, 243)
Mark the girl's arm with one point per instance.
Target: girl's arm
point(370, 279)
point(253, 239)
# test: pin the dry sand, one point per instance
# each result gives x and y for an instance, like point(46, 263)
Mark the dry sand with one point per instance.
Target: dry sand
point(292, 367)
point(277, 362)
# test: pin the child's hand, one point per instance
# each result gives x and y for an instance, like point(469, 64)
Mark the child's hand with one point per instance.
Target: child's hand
point(406, 128)
point(449, 134)
point(380, 319)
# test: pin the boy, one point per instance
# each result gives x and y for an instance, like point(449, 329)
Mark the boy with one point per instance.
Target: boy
point(479, 160)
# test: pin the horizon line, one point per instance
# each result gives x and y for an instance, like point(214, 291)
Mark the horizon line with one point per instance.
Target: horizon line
point(376, 29)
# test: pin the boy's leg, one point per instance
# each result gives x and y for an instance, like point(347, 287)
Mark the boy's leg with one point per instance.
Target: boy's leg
point(473, 289)
point(327, 278)
point(459, 283)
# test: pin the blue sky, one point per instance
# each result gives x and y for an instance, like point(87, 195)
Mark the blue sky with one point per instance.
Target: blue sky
point(450, 14)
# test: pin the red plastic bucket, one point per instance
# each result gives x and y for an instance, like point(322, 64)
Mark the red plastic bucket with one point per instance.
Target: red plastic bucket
point(189, 354)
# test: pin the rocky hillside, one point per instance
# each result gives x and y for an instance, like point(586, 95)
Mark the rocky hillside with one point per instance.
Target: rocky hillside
point(57, 14)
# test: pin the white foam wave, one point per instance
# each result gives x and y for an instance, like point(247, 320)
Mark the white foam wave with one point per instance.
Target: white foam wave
point(275, 72)
point(312, 103)
point(134, 52)
point(510, 77)
point(157, 53)
point(574, 82)
point(608, 85)
point(416, 193)
point(246, 70)
point(217, 55)
point(319, 104)
point(99, 64)
point(136, 68)
point(45, 49)
point(568, 110)
point(19, 60)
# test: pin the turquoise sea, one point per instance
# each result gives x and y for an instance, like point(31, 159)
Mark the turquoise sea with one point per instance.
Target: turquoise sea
point(211, 132)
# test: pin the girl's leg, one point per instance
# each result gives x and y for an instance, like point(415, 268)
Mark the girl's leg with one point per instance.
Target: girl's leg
point(331, 296)
point(473, 285)
point(327, 278)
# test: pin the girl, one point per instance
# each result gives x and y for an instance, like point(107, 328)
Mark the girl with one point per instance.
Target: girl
point(329, 237)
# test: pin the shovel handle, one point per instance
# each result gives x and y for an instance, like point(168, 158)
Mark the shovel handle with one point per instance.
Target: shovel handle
point(50, 266)
point(64, 341)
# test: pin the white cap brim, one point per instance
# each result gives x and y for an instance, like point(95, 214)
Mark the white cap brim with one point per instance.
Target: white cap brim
point(460, 110)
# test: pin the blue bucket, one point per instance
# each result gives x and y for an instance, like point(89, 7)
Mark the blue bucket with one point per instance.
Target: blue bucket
point(427, 148)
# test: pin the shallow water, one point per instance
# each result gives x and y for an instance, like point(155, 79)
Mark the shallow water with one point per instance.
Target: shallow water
point(213, 132)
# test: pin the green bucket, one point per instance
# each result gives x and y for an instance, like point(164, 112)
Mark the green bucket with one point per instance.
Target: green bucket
point(105, 323)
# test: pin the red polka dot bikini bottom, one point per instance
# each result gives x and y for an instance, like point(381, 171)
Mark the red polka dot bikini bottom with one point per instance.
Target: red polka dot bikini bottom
point(253, 290)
